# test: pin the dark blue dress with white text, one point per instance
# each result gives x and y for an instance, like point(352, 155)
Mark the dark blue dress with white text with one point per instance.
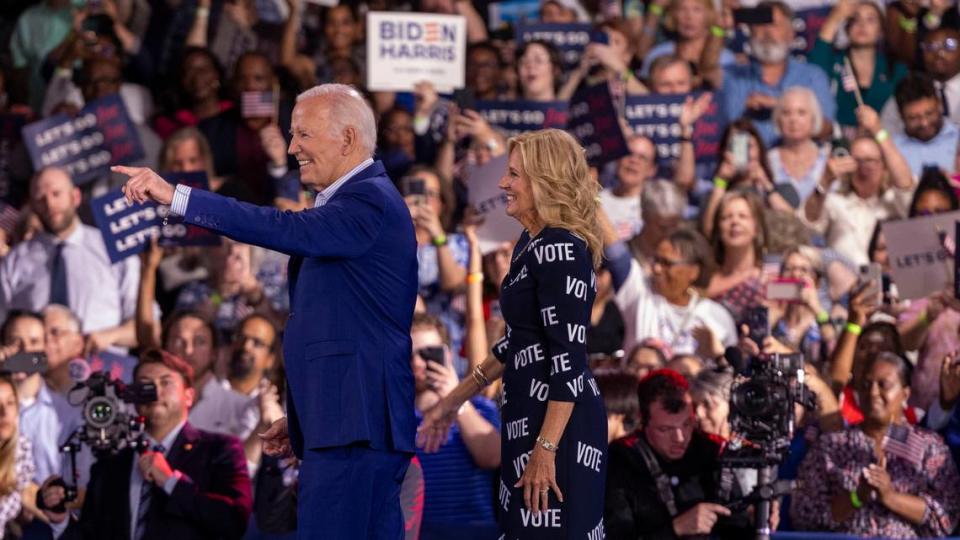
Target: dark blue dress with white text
point(546, 300)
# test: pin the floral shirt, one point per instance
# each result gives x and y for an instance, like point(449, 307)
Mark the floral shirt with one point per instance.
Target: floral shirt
point(12, 503)
point(834, 465)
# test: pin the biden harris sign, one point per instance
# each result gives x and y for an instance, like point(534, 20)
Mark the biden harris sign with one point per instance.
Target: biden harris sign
point(406, 48)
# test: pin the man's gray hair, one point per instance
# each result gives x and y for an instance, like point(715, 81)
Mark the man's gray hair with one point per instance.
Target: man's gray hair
point(66, 312)
point(347, 108)
point(662, 198)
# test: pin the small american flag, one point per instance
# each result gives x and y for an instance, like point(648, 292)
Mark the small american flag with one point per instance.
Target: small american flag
point(256, 105)
point(903, 442)
point(848, 79)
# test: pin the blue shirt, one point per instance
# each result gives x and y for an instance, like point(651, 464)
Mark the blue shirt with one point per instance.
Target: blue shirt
point(456, 490)
point(39, 423)
point(741, 81)
point(940, 150)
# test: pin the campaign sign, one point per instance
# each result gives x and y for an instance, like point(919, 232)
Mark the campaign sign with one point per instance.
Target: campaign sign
point(512, 12)
point(516, 117)
point(176, 232)
point(594, 121)
point(920, 261)
point(570, 39)
point(87, 145)
point(128, 228)
point(490, 203)
point(406, 48)
point(118, 366)
point(657, 117)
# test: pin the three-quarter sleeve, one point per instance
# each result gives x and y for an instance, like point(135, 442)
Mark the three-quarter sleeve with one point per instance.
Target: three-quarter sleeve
point(940, 493)
point(565, 285)
point(820, 478)
point(501, 347)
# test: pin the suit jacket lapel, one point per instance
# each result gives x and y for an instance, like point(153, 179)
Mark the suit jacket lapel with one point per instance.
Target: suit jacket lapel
point(123, 476)
point(293, 269)
point(182, 445)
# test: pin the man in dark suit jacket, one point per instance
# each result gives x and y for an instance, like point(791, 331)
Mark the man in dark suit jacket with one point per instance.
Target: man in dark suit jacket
point(353, 284)
point(188, 485)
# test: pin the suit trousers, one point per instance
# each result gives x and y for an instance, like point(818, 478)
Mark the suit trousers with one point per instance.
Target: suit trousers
point(351, 492)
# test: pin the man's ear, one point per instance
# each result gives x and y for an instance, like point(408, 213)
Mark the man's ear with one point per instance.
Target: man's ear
point(77, 197)
point(350, 140)
point(189, 395)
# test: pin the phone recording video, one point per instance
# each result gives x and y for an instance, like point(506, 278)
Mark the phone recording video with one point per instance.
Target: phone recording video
point(757, 320)
point(432, 354)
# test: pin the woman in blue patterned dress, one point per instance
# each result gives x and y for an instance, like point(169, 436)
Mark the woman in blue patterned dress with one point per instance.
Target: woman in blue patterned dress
point(554, 441)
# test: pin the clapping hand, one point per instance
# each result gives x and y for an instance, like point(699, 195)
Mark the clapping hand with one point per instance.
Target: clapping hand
point(949, 381)
point(276, 440)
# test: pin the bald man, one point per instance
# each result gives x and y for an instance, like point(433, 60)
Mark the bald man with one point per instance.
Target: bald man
point(67, 264)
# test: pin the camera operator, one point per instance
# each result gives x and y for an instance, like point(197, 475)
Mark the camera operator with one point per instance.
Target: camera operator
point(662, 479)
point(190, 484)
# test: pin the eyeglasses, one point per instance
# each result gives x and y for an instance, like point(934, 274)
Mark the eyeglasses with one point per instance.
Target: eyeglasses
point(948, 44)
point(797, 270)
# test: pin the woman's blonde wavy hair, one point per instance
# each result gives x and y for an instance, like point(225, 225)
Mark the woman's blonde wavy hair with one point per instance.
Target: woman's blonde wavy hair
point(564, 194)
point(8, 450)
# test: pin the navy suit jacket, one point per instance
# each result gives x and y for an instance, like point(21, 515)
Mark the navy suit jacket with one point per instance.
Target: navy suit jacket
point(353, 285)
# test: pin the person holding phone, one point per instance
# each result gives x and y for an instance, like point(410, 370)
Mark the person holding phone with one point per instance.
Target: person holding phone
point(608, 56)
point(459, 475)
point(805, 324)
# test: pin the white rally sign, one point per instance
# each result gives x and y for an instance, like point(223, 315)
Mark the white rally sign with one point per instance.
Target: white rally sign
point(406, 48)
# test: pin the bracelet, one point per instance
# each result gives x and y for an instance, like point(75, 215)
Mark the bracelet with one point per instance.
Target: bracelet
point(855, 499)
point(720, 183)
point(923, 317)
point(479, 376)
point(440, 240)
point(909, 25)
point(656, 9)
point(931, 20)
point(474, 277)
point(547, 445)
point(823, 317)
point(718, 31)
point(854, 328)
point(881, 136)
point(820, 189)
point(203, 12)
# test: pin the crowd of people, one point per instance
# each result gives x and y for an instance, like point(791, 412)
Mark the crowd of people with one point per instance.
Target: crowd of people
point(820, 147)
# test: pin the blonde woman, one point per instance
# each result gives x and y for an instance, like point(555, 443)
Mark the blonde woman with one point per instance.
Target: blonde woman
point(16, 456)
point(555, 440)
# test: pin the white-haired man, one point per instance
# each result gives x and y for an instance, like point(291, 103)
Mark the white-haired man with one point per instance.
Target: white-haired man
point(353, 285)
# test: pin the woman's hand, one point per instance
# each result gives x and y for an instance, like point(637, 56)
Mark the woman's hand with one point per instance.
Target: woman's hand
point(838, 167)
point(862, 303)
point(426, 98)
point(539, 477)
point(727, 170)
point(435, 427)
point(425, 218)
point(843, 10)
point(869, 120)
point(694, 109)
point(758, 175)
point(877, 478)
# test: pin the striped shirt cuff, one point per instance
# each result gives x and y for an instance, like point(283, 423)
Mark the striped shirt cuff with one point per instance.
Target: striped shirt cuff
point(181, 196)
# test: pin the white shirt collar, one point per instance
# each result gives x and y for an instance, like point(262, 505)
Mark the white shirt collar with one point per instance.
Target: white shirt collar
point(330, 190)
point(168, 441)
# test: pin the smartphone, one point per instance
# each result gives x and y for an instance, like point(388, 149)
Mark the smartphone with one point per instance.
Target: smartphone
point(599, 36)
point(465, 99)
point(785, 289)
point(753, 15)
point(432, 354)
point(871, 276)
point(411, 185)
point(757, 320)
point(25, 362)
point(839, 145)
point(740, 148)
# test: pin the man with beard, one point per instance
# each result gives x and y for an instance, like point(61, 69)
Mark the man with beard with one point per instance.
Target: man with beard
point(188, 484)
point(67, 264)
point(927, 139)
point(752, 90)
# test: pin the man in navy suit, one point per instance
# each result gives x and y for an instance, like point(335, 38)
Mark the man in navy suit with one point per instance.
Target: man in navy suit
point(189, 484)
point(353, 284)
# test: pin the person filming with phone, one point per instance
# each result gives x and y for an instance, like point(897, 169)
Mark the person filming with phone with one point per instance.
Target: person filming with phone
point(458, 476)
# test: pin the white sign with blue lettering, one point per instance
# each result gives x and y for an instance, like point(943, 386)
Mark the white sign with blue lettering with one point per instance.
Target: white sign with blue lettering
point(406, 48)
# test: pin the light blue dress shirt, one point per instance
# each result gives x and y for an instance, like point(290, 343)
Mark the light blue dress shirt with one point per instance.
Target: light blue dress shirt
point(940, 151)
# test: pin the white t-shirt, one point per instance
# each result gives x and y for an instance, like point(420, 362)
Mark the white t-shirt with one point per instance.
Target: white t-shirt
point(647, 314)
point(624, 213)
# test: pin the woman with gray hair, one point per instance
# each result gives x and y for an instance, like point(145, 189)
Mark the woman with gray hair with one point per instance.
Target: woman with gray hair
point(798, 160)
